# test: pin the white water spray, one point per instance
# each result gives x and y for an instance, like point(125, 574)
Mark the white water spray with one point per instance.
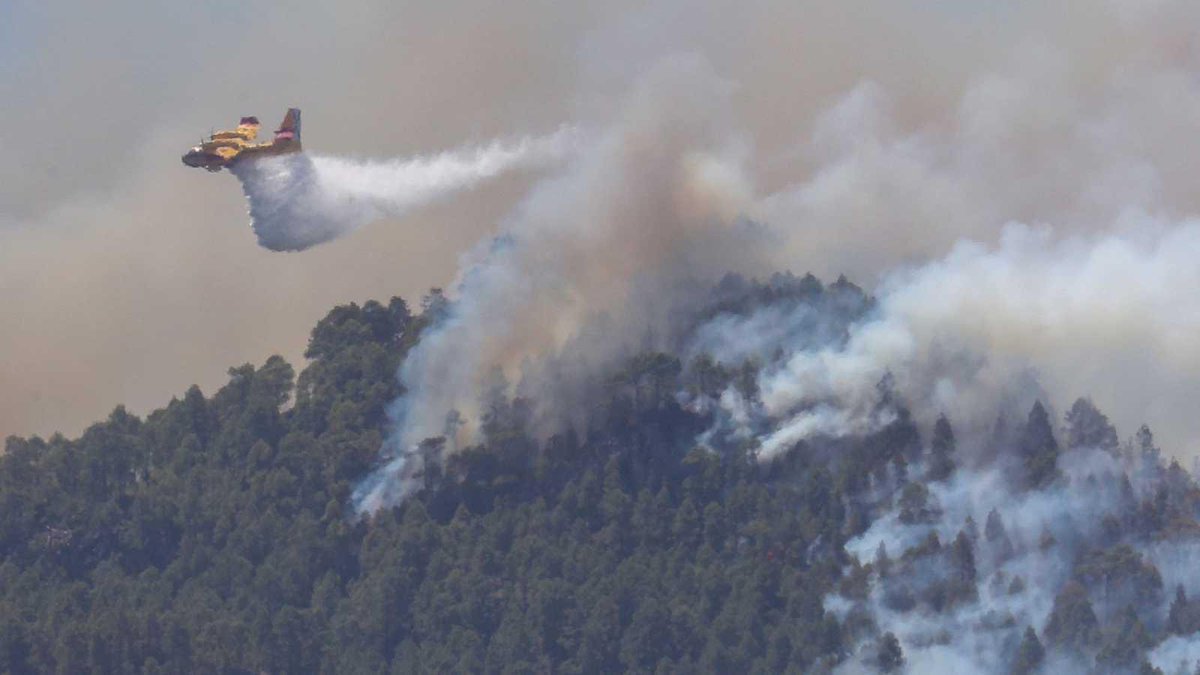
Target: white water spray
point(298, 201)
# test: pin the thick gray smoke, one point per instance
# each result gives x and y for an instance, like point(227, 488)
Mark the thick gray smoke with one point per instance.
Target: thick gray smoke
point(1027, 232)
point(975, 335)
point(645, 215)
point(1026, 545)
point(1100, 315)
point(1045, 223)
point(298, 201)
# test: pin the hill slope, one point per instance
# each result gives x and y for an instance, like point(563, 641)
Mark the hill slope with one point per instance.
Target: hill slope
point(217, 535)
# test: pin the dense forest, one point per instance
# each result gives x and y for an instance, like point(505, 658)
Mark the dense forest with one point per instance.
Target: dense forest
point(217, 534)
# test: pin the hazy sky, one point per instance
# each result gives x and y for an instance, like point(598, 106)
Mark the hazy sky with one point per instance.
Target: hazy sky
point(125, 276)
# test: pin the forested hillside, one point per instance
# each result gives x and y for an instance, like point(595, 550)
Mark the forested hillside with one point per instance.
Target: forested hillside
point(217, 534)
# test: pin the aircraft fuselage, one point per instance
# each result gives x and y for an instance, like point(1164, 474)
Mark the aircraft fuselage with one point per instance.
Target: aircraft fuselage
point(223, 148)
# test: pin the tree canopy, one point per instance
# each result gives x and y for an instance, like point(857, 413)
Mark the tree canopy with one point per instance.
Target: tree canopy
point(218, 534)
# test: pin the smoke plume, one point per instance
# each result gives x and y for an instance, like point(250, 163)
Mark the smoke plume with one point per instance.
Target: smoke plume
point(298, 201)
point(1026, 545)
point(1014, 184)
point(1098, 315)
point(1032, 240)
point(628, 231)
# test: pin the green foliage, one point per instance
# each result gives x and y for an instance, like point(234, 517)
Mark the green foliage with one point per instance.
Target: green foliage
point(1072, 623)
point(1183, 618)
point(1087, 427)
point(998, 541)
point(1030, 654)
point(941, 450)
point(962, 555)
point(888, 656)
point(214, 536)
point(1123, 574)
point(917, 505)
point(1125, 642)
point(1038, 449)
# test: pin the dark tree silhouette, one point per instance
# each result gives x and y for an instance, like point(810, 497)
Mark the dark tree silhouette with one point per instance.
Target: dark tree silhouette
point(1038, 449)
point(889, 656)
point(941, 450)
point(1030, 654)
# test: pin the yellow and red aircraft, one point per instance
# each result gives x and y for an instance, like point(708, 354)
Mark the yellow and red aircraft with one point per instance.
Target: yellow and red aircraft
point(226, 147)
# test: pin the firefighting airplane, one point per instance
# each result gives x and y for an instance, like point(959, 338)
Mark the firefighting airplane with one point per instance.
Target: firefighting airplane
point(225, 147)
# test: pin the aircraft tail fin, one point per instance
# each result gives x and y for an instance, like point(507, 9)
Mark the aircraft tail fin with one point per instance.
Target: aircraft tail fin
point(289, 128)
point(248, 127)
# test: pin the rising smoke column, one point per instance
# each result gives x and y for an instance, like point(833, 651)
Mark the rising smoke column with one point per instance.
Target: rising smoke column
point(981, 331)
point(644, 216)
point(298, 201)
point(1094, 295)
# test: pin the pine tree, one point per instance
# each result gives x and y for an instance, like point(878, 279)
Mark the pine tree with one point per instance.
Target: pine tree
point(1072, 623)
point(1087, 427)
point(889, 656)
point(1124, 643)
point(1030, 654)
point(917, 505)
point(1148, 668)
point(1038, 449)
point(942, 447)
point(1182, 617)
point(963, 554)
point(1147, 454)
point(997, 537)
point(971, 528)
point(883, 564)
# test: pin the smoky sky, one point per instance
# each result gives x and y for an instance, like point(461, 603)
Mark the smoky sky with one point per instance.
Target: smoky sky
point(126, 277)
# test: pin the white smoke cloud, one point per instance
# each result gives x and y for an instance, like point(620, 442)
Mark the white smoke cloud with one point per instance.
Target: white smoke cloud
point(1107, 316)
point(298, 201)
point(980, 635)
point(1177, 655)
point(1033, 238)
point(644, 216)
